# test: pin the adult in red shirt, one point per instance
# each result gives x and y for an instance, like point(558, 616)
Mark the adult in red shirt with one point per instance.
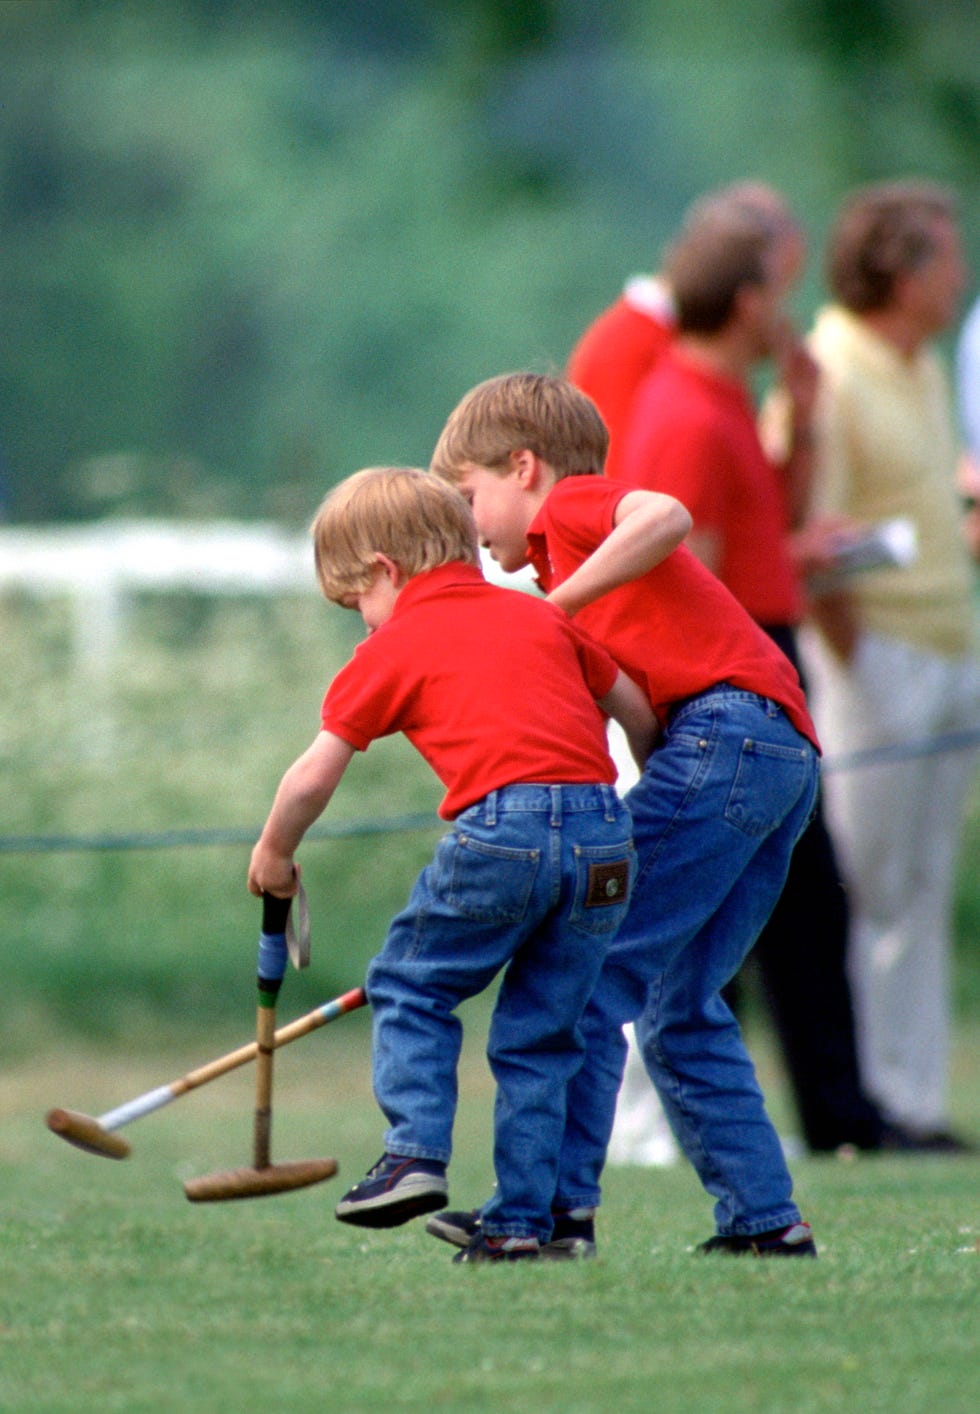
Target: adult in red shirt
point(693, 434)
point(618, 350)
point(625, 342)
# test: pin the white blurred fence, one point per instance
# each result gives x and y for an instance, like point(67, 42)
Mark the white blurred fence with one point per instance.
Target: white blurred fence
point(99, 568)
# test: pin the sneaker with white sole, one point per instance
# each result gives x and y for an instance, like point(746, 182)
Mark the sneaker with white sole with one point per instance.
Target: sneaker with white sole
point(794, 1241)
point(573, 1235)
point(458, 1228)
point(397, 1189)
point(484, 1248)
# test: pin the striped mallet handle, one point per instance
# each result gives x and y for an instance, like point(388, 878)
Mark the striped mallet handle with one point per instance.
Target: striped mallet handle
point(97, 1135)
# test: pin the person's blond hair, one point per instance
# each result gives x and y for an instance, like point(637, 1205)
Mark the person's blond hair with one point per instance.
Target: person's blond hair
point(522, 411)
point(401, 512)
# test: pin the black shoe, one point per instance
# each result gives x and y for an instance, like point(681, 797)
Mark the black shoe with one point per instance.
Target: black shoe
point(895, 1139)
point(395, 1190)
point(572, 1237)
point(795, 1241)
point(455, 1227)
point(482, 1248)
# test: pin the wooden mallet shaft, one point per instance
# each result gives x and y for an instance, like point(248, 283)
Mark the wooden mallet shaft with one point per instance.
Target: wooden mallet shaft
point(95, 1135)
point(264, 1178)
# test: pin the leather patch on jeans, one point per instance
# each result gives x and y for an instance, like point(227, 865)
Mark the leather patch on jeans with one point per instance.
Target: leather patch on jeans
point(608, 883)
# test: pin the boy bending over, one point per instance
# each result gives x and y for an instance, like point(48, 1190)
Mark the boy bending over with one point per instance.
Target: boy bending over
point(716, 812)
point(498, 691)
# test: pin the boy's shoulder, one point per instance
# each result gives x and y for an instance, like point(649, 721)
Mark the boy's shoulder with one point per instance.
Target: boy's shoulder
point(586, 489)
point(580, 503)
point(574, 518)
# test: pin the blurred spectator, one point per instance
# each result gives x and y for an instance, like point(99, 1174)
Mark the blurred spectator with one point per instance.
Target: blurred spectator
point(693, 433)
point(618, 350)
point(894, 663)
point(621, 346)
point(968, 391)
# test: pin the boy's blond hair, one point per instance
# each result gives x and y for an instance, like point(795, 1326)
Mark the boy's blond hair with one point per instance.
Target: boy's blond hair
point(518, 411)
point(398, 511)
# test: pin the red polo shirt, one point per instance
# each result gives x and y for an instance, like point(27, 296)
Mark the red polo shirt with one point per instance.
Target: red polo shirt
point(676, 630)
point(491, 685)
point(693, 434)
point(615, 354)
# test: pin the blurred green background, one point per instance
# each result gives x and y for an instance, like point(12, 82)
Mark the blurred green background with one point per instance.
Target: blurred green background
point(249, 247)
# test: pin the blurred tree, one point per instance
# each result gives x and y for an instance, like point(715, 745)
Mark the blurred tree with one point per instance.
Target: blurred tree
point(248, 248)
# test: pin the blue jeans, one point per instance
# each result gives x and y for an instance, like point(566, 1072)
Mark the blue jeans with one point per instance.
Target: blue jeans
point(535, 880)
point(716, 814)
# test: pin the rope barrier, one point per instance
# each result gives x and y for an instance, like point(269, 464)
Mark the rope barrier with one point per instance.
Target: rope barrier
point(904, 751)
point(171, 839)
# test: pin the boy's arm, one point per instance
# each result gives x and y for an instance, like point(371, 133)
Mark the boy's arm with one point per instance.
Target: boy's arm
point(302, 797)
point(647, 527)
point(630, 707)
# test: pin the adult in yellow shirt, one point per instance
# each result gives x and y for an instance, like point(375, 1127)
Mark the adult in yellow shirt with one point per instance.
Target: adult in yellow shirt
point(894, 661)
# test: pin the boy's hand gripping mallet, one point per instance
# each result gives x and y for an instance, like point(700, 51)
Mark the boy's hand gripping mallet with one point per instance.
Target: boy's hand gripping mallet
point(264, 1178)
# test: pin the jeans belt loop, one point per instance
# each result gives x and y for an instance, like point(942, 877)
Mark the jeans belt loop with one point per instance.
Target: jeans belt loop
point(609, 801)
point(555, 805)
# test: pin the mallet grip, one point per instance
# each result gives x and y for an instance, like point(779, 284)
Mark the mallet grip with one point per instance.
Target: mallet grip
point(275, 911)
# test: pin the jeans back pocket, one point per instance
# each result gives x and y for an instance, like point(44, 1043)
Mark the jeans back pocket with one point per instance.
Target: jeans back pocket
point(604, 877)
point(486, 882)
point(768, 783)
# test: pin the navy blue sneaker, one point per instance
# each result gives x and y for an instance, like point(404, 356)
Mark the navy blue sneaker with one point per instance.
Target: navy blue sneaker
point(483, 1248)
point(395, 1190)
point(456, 1227)
point(794, 1241)
point(572, 1237)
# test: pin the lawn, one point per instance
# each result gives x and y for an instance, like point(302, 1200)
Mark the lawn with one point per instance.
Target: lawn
point(117, 1294)
point(127, 964)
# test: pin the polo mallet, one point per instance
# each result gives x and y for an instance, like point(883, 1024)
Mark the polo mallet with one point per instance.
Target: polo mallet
point(98, 1135)
point(264, 1177)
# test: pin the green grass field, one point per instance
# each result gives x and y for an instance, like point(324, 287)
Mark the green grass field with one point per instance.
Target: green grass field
point(124, 968)
point(117, 1294)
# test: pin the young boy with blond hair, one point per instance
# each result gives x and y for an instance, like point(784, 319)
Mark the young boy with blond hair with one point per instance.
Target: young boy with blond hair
point(498, 691)
point(717, 810)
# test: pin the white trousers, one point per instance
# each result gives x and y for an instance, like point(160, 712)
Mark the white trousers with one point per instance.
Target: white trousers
point(897, 828)
point(641, 1134)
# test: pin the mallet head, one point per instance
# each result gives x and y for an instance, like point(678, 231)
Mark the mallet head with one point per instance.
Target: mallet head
point(258, 1183)
point(86, 1133)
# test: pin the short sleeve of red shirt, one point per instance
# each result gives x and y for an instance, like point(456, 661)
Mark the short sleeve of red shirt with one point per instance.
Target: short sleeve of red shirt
point(363, 702)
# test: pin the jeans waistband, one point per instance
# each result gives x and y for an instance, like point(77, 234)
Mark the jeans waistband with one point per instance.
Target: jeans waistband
point(553, 800)
point(721, 689)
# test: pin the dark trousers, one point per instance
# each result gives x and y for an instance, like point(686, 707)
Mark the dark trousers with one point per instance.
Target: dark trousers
point(801, 956)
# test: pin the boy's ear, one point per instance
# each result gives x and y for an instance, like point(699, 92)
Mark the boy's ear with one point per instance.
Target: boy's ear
point(525, 464)
point(392, 569)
